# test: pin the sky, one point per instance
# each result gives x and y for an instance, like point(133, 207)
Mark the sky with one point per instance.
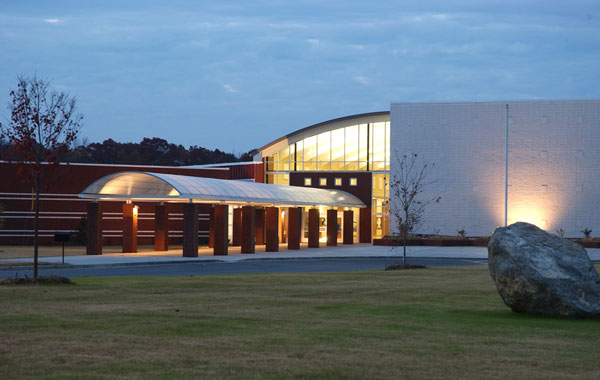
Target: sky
point(235, 75)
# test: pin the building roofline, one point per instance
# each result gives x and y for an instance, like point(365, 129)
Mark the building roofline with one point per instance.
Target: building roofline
point(224, 164)
point(146, 186)
point(500, 101)
point(113, 165)
point(336, 120)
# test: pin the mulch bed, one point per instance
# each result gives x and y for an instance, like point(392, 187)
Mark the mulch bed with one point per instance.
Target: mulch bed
point(42, 280)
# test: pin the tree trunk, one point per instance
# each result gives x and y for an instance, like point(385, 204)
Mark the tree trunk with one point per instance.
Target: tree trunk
point(36, 232)
point(405, 234)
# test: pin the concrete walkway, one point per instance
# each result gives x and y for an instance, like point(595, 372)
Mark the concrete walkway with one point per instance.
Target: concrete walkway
point(205, 254)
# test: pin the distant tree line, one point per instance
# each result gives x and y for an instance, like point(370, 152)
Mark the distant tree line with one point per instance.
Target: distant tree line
point(150, 151)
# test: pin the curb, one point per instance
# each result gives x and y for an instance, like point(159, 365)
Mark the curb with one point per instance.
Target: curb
point(170, 262)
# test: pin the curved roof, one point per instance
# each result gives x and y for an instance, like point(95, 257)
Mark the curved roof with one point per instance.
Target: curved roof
point(327, 125)
point(170, 187)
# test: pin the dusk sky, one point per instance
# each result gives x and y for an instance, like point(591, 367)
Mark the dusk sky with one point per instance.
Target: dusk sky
point(235, 75)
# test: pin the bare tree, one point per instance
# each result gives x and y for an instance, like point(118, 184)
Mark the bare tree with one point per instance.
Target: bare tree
point(408, 203)
point(42, 126)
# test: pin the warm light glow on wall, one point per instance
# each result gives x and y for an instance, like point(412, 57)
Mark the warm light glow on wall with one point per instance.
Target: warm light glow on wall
point(135, 210)
point(534, 216)
point(541, 208)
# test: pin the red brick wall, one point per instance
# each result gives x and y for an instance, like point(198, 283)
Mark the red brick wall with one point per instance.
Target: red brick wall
point(246, 171)
point(61, 209)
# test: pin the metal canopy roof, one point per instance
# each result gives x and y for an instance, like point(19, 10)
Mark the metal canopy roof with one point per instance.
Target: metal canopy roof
point(145, 186)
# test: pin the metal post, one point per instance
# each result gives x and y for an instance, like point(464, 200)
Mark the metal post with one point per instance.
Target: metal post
point(63, 255)
point(506, 170)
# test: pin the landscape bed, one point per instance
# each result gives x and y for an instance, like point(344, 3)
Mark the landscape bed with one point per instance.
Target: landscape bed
point(448, 241)
point(432, 323)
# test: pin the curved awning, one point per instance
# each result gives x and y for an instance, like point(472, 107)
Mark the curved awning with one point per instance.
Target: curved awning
point(145, 186)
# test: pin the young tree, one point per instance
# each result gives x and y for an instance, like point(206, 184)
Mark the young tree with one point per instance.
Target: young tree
point(42, 126)
point(408, 204)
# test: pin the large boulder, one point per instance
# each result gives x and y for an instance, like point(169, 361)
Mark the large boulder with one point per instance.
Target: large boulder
point(540, 273)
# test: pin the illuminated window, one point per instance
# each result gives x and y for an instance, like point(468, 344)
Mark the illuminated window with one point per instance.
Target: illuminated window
point(351, 148)
point(363, 138)
point(310, 153)
point(353, 181)
point(324, 151)
point(307, 181)
point(300, 155)
point(338, 181)
point(283, 159)
point(337, 150)
point(323, 181)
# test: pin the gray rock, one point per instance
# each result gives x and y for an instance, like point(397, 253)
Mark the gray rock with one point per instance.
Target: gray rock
point(540, 273)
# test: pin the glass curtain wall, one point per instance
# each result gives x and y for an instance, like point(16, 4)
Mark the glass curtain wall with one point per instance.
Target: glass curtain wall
point(359, 147)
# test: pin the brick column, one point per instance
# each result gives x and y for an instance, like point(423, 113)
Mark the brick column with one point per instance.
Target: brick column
point(259, 226)
point(272, 227)
point(236, 239)
point(364, 222)
point(294, 227)
point(190, 230)
point(161, 228)
point(221, 219)
point(129, 228)
point(332, 228)
point(348, 227)
point(247, 233)
point(313, 228)
point(94, 229)
point(211, 227)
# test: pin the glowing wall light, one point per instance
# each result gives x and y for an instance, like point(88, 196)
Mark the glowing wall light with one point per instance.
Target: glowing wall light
point(533, 216)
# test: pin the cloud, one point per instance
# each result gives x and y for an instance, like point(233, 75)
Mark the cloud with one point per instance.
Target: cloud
point(362, 80)
point(272, 63)
point(229, 88)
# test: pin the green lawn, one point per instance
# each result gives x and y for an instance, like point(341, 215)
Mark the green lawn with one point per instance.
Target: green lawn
point(433, 323)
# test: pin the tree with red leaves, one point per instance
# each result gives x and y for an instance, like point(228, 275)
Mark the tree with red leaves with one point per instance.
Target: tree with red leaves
point(42, 127)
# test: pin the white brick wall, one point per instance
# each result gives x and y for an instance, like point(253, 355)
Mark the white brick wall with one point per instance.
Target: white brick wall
point(554, 163)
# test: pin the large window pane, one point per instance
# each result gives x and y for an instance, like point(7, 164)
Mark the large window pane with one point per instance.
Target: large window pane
point(324, 151)
point(351, 148)
point(270, 163)
point(299, 155)
point(379, 205)
point(378, 142)
point(283, 163)
point(282, 179)
point(363, 138)
point(387, 146)
point(310, 153)
point(337, 145)
point(378, 186)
